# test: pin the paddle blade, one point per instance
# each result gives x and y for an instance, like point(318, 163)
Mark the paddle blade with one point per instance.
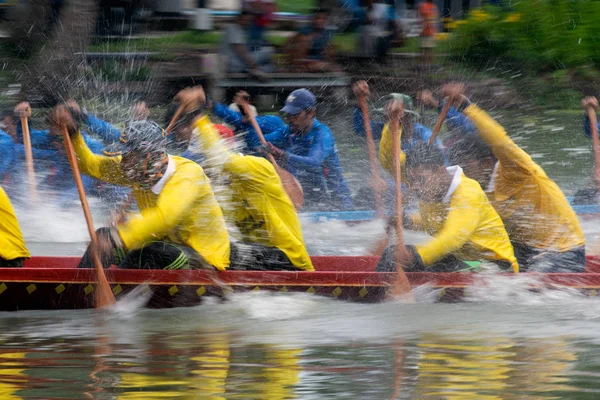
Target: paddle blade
point(104, 295)
point(401, 288)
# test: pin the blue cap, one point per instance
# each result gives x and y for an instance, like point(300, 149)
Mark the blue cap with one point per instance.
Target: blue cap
point(299, 100)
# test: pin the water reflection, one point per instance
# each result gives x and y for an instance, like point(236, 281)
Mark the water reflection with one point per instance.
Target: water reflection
point(214, 364)
point(489, 368)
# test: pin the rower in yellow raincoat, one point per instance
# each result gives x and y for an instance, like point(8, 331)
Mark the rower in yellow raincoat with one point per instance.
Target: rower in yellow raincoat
point(12, 246)
point(261, 209)
point(456, 212)
point(181, 224)
point(543, 227)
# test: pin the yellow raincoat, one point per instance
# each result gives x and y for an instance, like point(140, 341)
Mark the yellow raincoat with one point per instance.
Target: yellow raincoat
point(184, 211)
point(534, 209)
point(260, 206)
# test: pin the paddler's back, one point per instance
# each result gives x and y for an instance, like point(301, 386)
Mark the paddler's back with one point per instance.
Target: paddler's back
point(12, 245)
point(535, 210)
point(263, 211)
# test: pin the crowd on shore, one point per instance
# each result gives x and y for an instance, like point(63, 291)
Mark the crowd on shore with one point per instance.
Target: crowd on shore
point(310, 49)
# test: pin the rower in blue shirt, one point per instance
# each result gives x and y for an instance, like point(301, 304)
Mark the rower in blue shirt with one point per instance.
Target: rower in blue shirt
point(307, 148)
point(60, 178)
point(12, 152)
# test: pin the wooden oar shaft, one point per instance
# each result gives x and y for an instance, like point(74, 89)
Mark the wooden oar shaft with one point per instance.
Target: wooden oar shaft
point(595, 142)
point(104, 295)
point(290, 183)
point(440, 121)
point(401, 285)
point(394, 125)
point(174, 119)
point(28, 156)
point(372, 155)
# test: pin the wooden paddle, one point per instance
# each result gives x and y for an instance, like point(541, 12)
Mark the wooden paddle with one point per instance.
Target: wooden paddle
point(362, 102)
point(28, 155)
point(440, 121)
point(104, 295)
point(290, 183)
point(595, 142)
point(401, 286)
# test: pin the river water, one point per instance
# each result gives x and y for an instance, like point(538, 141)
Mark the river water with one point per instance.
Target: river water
point(504, 342)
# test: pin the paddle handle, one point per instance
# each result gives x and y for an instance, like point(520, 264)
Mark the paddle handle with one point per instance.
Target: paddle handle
point(290, 184)
point(440, 121)
point(260, 135)
point(28, 156)
point(595, 142)
point(104, 295)
point(401, 286)
point(174, 119)
point(362, 102)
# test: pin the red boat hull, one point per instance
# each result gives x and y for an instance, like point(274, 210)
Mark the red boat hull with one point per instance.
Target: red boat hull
point(55, 283)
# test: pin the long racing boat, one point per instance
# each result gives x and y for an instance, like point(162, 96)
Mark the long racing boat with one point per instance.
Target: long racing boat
point(47, 283)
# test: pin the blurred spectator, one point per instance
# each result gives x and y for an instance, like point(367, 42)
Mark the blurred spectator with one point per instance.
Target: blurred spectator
point(239, 97)
point(429, 14)
point(262, 12)
point(375, 35)
point(311, 48)
point(238, 55)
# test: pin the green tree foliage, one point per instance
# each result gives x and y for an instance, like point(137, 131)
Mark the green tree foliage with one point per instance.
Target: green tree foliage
point(540, 35)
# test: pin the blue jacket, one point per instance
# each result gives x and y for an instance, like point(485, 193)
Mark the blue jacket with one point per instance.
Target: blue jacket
point(12, 156)
point(313, 159)
point(104, 130)
point(267, 123)
point(60, 177)
point(421, 133)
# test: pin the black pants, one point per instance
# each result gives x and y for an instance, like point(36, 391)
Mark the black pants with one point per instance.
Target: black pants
point(447, 264)
point(531, 259)
point(254, 256)
point(14, 263)
point(450, 263)
point(153, 255)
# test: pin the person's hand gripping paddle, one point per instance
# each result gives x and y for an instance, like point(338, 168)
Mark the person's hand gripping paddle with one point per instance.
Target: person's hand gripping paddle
point(23, 111)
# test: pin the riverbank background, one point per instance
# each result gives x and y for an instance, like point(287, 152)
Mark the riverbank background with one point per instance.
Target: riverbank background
point(541, 54)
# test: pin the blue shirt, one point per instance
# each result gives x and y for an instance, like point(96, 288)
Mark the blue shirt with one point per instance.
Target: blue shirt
point(313, 159)
point(319, 42)
point(60, 177)
point(267, 123)
point(12, 156)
